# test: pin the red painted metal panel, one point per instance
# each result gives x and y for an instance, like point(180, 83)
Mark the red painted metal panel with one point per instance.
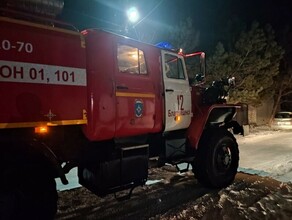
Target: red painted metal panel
point(44, 77)
point(42, 73)
point(101, 94)
point(201, 115)
point(49, 46)
point(142, 91)
point(32, 103)
point(112, 110)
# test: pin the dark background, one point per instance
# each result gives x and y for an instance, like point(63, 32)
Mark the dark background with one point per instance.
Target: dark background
point(210, 17)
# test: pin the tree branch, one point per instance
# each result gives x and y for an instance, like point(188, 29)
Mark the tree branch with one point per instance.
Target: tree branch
point(287, 93)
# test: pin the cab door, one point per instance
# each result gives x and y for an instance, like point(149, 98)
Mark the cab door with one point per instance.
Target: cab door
point(177, 91)
point(135, 92)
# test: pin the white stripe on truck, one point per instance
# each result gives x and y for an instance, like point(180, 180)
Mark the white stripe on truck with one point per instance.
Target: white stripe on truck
point(21, 72)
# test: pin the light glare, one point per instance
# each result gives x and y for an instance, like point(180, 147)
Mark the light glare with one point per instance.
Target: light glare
point(133, 14)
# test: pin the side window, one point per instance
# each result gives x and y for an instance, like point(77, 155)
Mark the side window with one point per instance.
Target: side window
point(174, 67)
point(131, 60)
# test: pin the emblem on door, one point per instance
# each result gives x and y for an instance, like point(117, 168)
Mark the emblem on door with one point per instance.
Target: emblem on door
point(138, 108)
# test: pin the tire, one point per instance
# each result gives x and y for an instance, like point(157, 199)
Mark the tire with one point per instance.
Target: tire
point(27, 191)
point(28, 203)
point(217, 159)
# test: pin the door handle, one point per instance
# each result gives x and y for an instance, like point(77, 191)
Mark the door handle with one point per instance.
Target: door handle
point(169, 90)
point(122, 87)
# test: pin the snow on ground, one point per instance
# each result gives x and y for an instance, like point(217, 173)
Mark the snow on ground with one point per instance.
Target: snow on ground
point(267, 153)
point(263, 152)
point(249, 197)
point(179, 196)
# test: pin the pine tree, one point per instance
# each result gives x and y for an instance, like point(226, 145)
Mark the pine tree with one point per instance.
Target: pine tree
point(253, 60)
point(184, 35)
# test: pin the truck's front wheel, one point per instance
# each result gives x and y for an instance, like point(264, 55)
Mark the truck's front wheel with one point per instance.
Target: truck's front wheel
point(217, 158)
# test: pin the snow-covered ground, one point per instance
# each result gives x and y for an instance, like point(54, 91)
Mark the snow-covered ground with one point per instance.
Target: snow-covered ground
point(180, 197)
point(73, 181)
point(263, 152)
point(267, 153)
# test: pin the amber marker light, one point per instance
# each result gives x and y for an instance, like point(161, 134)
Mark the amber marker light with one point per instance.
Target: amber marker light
point(177, 118)
point(41, 130)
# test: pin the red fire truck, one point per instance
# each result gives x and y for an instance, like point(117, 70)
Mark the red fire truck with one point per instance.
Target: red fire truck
point(105, 104)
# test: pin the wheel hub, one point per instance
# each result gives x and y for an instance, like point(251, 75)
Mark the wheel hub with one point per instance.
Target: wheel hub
point(227, 156)
point(224, 158)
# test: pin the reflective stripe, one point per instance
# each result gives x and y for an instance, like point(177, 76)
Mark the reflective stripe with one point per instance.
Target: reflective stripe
point(42, 123)
point(134, 94)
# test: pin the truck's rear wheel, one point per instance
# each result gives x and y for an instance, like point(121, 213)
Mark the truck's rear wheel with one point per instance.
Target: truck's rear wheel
point(27, 189)
point(30, 198)
point(217, 158)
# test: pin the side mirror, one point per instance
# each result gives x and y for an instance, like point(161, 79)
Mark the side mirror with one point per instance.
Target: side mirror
point(199, 77)
point(231, 81)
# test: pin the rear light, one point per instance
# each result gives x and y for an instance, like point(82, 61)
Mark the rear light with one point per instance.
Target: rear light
point(41, 130)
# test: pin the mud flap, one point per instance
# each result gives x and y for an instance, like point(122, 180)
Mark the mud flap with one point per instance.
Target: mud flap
point(126, 172)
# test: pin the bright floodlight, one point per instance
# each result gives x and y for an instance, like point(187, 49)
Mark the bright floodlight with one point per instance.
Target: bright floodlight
point(133, 14)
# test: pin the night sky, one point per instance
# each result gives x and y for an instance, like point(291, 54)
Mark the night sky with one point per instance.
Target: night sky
point(209, 16)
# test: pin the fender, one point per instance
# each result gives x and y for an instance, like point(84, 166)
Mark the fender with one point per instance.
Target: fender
point(212, 116)
point(51, 158)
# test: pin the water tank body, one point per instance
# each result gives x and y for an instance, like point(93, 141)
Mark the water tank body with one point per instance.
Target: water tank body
point(47, 8)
